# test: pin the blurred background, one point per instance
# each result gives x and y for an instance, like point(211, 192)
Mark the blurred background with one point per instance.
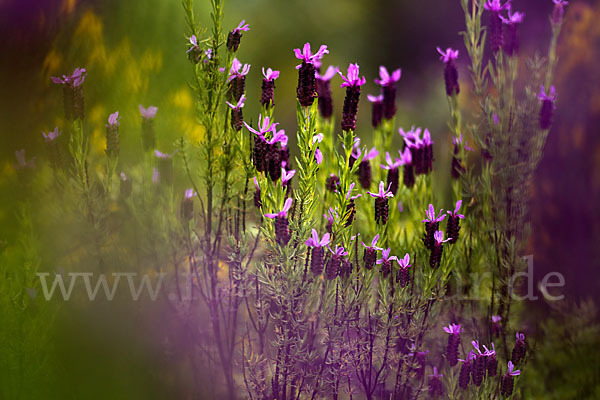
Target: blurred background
point(134, 52)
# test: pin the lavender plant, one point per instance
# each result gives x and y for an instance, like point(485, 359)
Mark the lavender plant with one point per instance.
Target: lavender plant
point(282, 303)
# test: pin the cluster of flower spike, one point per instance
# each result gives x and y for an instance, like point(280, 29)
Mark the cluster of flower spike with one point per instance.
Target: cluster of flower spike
point(434, 238)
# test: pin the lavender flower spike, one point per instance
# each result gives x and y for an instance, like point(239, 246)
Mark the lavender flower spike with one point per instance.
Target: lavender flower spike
point(234, 37)
point(454, 331)
point(436, 387)
point(351, 208)
point(558, 14)
point(431, 225)
point(237, 79)
point(450, 72)
point(547, 109)
point(453, 224)
point(511, 44)
point(332, 269)
point(377, 111)
point(306, 75)
point(268, 86)
point(507, 384)
point(74, 104)
point(324, 91)
point(386, 262)
point(403, 276)
point(435, 257)
point(388, 88)
point(237, 116)
point(393, 173)
point(317, 253)
point(165, 166)
point(364, 168)
point(52, 135)
point(282, 232)
point(370, 255)
point(352, 83)
point(495, 25)
point(381, 203)
point(520, 348)
point(112, 135)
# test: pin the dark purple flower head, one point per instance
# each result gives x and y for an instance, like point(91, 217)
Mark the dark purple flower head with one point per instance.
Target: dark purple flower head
point(385, 79)
point(383, 193)
point(511, 42)
point(385, 256)
point(496, 6)
point(238, 70)
point(269, 74)
point(74, 80)
point(547, 109)
point(308, 57)
point(329, 73)
point(559, 11)
point(449, 55)
point(52, 135)
point(314, 241)
point(435, 373)
point(113, 120)
point(148, 113)
point(520, 336)
point(352, 78)
point(511, 370)
point(430, 213)
point(373, 245)
point(453, 329)
point(339, 251)
point(239, 104)
point(391, 164)
point(265, 125)
point(283, 213)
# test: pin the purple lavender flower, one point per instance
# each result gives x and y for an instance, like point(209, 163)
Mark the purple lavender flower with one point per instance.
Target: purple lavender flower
point(364, 168)
point(73, 93)
point(233, 39)
point(257, 199)
point(496, 327)
point(421, 149)
point(52, 135)
point(148, 136)
point(377, 112)
point(306, 75)
point(351, 208)
point(507, 385)
point(403, 276)
point(479, 365)
point(388, 88)
point(511, 44)
point(237, 79)
point(317, 252)
point(237, 116)
point(547, 109)
point(332, 269)
point(450, 72)
point(22, 162)
point(558, 14)
point(370, 255)
point(282, 232)
point(194, 52)
point(324, 91)
point(495, 24)
point(273, 154)
point(453, 224)
point(432, 224)
point(520, 348)
point(465, 370)
point(260, 149)
point(435, 384)
point(386, 262)
point(165, 166)
point(454, 331)
point(435, 257)
point(381, 203)
point(268, 86)
point(352, 83)
point(187, 204)
point(112, 135)
point(491, 361)
point(393, 173)
point(332, 183)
